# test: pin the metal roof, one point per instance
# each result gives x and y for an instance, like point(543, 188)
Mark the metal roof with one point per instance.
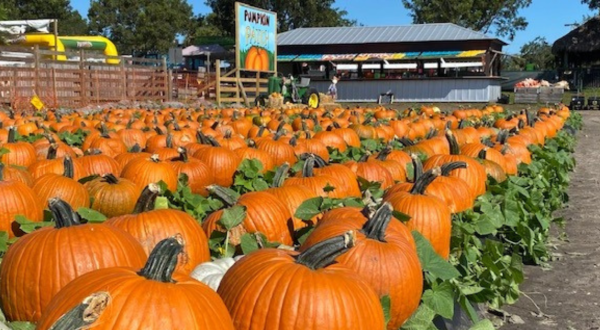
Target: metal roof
point(379, 34)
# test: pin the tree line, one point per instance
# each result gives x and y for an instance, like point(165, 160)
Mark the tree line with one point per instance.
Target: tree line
point(148, 26)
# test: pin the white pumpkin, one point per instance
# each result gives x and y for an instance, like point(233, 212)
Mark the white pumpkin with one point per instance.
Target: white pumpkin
point(211, 273)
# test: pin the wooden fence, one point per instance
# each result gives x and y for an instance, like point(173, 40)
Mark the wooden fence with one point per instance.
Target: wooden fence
point(237, 86)
point(81, 82)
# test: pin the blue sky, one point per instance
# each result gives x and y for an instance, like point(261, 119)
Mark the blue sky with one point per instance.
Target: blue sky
point(546, 17)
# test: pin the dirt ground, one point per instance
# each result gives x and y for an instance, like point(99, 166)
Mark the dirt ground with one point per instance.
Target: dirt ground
point(568, 295)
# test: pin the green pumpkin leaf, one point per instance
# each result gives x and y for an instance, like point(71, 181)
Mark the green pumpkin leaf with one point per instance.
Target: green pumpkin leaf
point(28, 226)
point(440, 298)
point(422, 319)
point(386, 305)
point(233, 216)
point(21, 325)
point(403, 217)
point(248, 243)
point(431, 261)
point(483, 325)
point(4, 151)
point(3, 241)
point(91, 215)
point(161, 203)
point(309, 208)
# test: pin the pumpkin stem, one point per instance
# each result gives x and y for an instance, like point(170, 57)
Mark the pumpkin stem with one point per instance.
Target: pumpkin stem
point(200, 137)
point(454, 148)
point(12, 134)
point(169, 140)
point(293, 141)
point(2, 172)
point(449, 167)
point(406, 142)
point(84, 314)
point(212, 141)
point(147, 199)
point(110, 178)
point(63, 214)
point(163, 260)
point(383, 154)
point(136, 148)
point(261, 130)
point(309, 166)
point(278, 135)
point(424, 181)
point(280, 175)
point(462, 124)
point(52, 149)
point(183, 155)
point(364, 158)
point(155, 158)
point(224, 194)
point(93, 151)
point(324, 253)
point(483, 153)
point(417, 166)
point(69, 171)
point(377, 224)
point(280, 126)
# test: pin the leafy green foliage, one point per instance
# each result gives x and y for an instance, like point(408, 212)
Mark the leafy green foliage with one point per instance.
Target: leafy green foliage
point(91, 215)
point(28, 226)
point(140, 26)
point(73, 139)
point(183, 199)
point(501, 16)
point(249, 177)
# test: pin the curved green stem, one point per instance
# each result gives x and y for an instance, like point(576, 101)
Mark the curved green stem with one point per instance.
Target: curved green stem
point(147, 199)
point(85, 314)
point(424, 181)
point(449, 167)
point(376, 226)
point(454, 147)
point(63, 214)
point(223, 194)
point(163, 260)
point(110, 178)
point(324, 253)
point(280, 175)
point(69, 171)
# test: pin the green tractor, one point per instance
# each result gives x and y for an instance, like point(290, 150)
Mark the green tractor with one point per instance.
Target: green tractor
point(293, 91)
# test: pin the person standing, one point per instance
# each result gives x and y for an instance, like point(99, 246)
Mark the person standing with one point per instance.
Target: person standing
point(332, 90)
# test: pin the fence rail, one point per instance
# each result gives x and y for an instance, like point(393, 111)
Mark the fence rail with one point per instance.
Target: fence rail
point(79, 82)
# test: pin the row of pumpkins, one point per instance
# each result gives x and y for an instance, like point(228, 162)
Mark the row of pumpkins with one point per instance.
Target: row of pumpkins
point(332, 281)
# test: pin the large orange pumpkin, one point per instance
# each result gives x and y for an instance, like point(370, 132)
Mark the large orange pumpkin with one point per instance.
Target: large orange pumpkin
point(382, 256)
point(273, 289)
point(61, 253)
point(153, 298)
point(150, 226)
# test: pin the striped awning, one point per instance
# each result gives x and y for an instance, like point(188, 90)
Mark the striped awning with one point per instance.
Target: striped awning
point(286, 58)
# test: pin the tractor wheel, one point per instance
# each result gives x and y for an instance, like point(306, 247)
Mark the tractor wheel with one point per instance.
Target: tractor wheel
point(260, 101)
point(312, 99)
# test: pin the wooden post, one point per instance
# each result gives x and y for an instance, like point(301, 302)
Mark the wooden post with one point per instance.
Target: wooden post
point(218, 83)
point(123, 80)
point(257, 84)
point(54, 88)
point(82, 81)
point(170, 85)
point(166, 83)
point(238, 82)
point(133, 83)
point(97, 86)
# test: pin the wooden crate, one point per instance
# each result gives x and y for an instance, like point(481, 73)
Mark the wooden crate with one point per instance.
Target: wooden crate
point(551, 94)
point(527, 95)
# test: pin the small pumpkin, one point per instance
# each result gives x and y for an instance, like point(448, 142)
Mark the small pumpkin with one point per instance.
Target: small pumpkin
point(16, 198)
point(113, 196)
point(211, 272)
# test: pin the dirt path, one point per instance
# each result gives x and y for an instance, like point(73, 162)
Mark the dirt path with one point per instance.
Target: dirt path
point(568, 295)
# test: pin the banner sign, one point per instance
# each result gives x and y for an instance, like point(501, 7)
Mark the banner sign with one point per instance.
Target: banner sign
point(256, 35)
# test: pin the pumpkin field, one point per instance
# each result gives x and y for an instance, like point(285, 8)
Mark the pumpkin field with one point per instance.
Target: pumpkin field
point(291, 219)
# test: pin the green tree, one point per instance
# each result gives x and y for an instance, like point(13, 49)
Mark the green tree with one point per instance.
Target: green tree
point(140, 26)
point(70, 21)
point(291, 14)
point(593, 4)
point(500, 16)
point(539, 52)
